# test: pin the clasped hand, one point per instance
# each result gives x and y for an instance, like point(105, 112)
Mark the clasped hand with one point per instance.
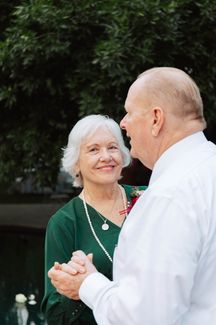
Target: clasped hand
point(67, 278)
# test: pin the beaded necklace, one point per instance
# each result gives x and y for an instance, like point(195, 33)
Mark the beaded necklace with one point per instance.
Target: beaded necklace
point(91, 226)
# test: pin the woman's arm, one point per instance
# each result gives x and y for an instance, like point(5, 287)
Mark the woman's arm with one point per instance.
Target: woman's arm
point(59, 244)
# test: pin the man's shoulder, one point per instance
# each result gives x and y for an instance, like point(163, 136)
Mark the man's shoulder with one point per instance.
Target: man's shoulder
point(202, 158)
point(195, 173)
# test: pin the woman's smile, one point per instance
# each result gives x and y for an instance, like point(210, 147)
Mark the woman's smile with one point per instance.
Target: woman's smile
point(107, 168)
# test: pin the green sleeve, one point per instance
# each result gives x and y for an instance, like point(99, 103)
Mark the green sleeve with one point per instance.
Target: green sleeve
point(59, 245)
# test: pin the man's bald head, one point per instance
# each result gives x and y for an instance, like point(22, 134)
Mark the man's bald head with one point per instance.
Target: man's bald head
point(163, 107)
point(174, 91)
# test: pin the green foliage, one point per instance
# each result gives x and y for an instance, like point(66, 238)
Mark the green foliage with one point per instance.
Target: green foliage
point(62, 60)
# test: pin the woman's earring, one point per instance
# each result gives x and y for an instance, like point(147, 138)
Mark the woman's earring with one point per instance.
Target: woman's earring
point(77, 173)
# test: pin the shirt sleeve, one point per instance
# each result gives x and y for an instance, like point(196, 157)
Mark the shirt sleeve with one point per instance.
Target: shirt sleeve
point(155, 264)
point(59, 245)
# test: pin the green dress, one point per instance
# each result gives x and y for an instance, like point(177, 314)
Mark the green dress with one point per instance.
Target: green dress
point(68, 230)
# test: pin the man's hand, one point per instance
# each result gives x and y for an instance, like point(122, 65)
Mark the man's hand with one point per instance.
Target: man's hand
point(67, 278)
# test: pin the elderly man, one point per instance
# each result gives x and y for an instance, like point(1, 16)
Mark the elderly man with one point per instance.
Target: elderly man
point(164, 269)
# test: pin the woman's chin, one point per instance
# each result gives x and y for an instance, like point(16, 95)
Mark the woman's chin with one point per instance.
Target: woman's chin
point(108, 180)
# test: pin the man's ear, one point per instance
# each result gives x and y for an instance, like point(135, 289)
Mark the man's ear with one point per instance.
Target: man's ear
point(157, 120)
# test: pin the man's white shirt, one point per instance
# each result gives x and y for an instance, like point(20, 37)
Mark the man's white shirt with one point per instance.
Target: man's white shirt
point(164, 269)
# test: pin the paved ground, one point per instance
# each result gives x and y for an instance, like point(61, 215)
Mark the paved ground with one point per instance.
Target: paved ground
point(27, 215)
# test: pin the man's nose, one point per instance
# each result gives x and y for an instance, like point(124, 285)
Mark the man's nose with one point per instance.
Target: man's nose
point(123, 123)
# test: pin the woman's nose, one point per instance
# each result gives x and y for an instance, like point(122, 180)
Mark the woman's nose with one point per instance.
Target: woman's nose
point(105, 155)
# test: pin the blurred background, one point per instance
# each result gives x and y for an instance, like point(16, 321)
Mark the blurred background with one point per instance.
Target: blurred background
point(60, 61)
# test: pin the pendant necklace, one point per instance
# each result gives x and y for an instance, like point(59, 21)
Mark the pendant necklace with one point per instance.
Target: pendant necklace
point(105, 226)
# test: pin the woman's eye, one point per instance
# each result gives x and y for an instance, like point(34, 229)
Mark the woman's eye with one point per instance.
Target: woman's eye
point(113, 147)
point(93, 149)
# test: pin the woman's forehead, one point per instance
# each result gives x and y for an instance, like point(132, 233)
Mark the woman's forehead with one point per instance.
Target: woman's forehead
point(100, 135)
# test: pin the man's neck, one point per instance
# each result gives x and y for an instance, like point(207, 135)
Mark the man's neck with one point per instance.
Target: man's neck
point(191, 127)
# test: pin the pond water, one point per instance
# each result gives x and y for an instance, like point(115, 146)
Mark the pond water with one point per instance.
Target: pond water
point(21, 272)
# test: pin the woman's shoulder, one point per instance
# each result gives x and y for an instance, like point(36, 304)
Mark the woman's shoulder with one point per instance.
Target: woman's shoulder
point(67, 211)
point(129, 188)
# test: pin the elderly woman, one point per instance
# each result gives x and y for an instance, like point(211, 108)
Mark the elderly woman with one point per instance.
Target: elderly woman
point(91, 222)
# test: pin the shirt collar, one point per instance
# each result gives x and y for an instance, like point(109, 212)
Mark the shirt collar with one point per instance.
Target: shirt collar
point(170, 155)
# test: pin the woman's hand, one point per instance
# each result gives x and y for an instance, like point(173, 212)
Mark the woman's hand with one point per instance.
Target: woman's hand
point(78, 262)
point(74, 266)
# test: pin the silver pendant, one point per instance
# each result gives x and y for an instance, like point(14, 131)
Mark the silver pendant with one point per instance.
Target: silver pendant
point(105, 226)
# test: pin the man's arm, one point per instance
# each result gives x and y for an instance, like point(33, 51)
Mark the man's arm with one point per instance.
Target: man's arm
point(154, 268)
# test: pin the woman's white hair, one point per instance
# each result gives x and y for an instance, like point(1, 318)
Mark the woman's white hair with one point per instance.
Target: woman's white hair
point(82, 131)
